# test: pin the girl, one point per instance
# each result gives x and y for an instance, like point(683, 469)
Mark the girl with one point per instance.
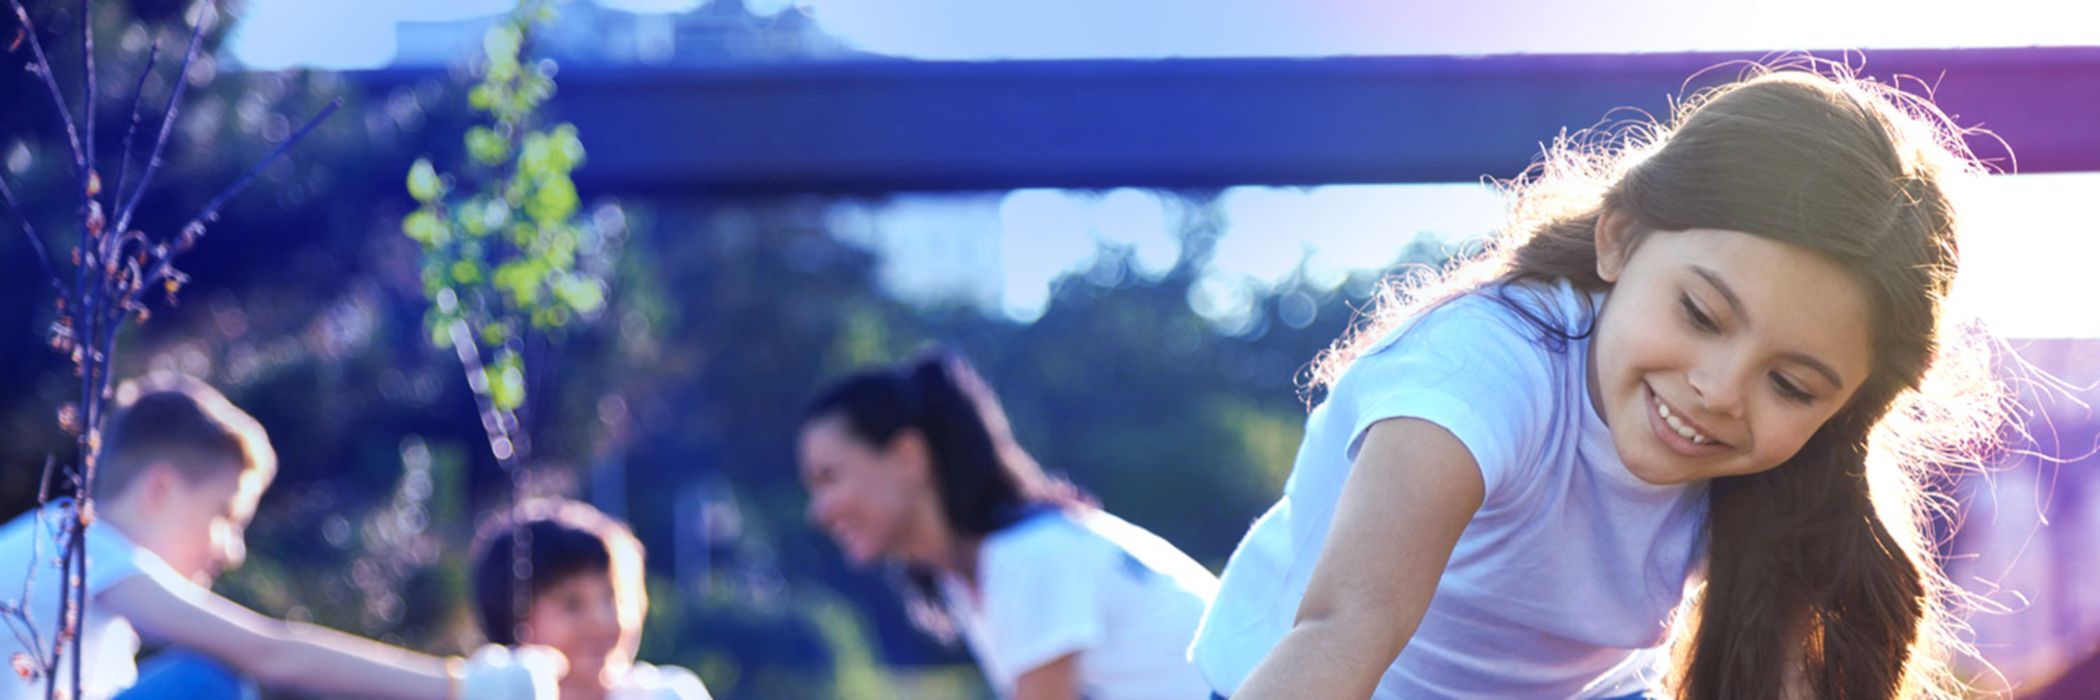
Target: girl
point(1696, 357)
point(585, 598)
point(1059, 600)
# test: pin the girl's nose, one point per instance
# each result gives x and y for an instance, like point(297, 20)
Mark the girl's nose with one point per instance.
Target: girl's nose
point(1718, 386)
point(820, 507)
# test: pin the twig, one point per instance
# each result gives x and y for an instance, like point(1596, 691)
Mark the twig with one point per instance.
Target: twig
point(89, 181)
point(21, 219)
point(43, 68)
point(167, 121)
point(138, 95)
point(211, 209)
point(162, 264)
point(65, 601)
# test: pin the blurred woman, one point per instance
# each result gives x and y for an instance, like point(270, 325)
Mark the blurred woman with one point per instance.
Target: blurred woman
point(915, 466)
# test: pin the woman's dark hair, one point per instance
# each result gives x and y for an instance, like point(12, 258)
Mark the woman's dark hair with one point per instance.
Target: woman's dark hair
point(1819, 570)
point(561, 539)
point(986, 482)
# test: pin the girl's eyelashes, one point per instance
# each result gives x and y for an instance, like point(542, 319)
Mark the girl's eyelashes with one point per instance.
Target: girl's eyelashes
point(1698, 317)
point(1789, 390)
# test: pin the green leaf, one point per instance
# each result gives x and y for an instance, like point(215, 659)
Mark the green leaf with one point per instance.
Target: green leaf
point(506, 381)
point(423, 182)
point(424, 227)
point(466, 272)
point(569, 145)
point(495, 334)
point(525, 235)
point(520, 281)
point(439, 336)
point(534, 156)
point(582, 294)
point(555, 200)
point(486, 147)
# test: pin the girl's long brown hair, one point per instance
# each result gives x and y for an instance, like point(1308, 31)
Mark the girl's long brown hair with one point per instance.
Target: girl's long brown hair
point(1820, 572)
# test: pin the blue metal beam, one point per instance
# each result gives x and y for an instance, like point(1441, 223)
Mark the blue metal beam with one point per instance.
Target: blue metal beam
point(901, 125)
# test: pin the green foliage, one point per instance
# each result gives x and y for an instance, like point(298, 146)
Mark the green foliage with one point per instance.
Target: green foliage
point(503, 246)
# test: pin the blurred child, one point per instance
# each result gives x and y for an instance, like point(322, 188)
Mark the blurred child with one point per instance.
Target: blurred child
point(180, 473)
point(584, 597)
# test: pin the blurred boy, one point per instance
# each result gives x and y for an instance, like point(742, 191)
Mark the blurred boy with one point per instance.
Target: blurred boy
point(584, 597)
point(180, 473)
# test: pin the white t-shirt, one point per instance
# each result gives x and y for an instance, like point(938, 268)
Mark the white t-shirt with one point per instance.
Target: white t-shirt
point(1562, 584)
point(111, 661)
point(651, 682)
point(1060, 582)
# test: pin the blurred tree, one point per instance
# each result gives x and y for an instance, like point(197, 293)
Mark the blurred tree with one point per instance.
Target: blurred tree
point(509, 264)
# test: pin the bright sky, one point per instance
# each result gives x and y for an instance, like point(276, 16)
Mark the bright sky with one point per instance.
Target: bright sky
point(358, 33)
point(2021, 265)
point(2027, 247)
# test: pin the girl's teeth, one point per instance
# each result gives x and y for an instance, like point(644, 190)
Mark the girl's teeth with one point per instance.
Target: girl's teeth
point(1682, 430)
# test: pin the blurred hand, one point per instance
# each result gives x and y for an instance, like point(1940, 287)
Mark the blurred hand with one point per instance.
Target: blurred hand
point(501, 673)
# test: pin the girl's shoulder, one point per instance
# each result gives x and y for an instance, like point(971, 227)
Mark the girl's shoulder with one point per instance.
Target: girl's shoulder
point(1046, 528)
point(1544, 314)
point(1080, 538)
point(1519, 329)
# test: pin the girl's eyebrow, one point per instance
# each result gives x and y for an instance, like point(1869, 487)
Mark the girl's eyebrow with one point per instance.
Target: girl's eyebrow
point(1736, 303)
point(1727, 294)
point(1812, 363)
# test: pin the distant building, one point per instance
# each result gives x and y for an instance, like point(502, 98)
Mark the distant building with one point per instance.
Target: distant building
point(719, 32)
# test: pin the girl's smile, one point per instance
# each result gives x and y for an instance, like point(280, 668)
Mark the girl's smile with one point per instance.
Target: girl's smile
point(1678, 432)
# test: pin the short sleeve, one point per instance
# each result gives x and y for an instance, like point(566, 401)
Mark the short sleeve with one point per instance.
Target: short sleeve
point(1472, 367)
point(651, 682)
point(1042, 596)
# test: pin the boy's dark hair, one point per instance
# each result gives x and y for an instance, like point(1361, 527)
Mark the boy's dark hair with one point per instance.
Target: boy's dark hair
point(563, 538)
point(179, 421)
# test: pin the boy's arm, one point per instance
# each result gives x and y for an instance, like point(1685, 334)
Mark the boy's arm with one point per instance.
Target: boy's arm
point(275, 652)
point(1413, 489)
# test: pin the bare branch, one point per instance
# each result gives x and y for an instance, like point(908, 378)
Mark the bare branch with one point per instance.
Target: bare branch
point(43, 68)
point(138, 95)
point(88, 179)
point(167, 121)
point(22, 220)
point(211, 209)
point(78, 589)
point(65, 614)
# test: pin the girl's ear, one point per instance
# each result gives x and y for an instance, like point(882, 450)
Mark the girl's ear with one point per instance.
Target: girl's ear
point(1615, 233)
point(910, 454)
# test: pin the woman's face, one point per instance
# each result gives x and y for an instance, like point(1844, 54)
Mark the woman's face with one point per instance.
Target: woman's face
point(1720, 353)
point(866, 497)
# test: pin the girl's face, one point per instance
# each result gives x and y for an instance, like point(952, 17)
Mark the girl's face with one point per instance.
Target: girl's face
point(866, 497)
point(1720, 353)
point(580, 617)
